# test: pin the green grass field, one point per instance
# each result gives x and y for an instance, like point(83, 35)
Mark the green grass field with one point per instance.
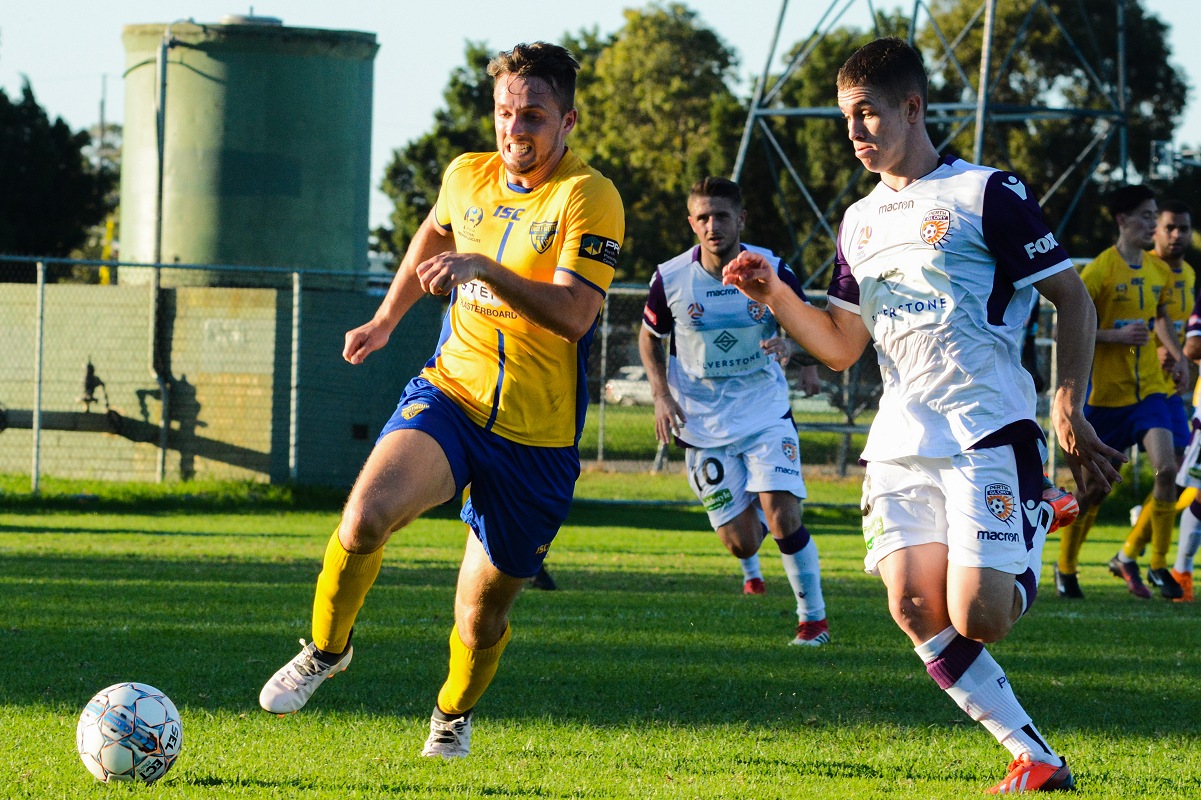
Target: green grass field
point(647, 675)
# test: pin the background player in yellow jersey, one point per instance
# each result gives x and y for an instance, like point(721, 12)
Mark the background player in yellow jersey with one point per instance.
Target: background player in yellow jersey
point(524, 241)
point(1173, 234)
point(1128, 397)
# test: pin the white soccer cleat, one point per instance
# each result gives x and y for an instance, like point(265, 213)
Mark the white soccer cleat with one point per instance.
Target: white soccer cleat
point(292, 686)
point(448, 738)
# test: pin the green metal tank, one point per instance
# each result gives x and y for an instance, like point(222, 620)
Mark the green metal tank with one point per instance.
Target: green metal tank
point(266, 150)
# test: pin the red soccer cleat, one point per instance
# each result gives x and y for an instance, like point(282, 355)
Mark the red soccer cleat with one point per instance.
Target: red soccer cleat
point(754, 586)
point(811, 633)
point(1035, 776)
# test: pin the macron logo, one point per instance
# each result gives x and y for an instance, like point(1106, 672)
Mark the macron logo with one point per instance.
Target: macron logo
point(1014, 185)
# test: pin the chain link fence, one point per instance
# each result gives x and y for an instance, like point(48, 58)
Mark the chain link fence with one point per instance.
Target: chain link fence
point(125, 371)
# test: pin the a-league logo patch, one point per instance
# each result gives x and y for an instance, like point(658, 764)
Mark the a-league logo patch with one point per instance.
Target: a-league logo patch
point(790, 449)
point(999, 499)
point(935, 226)
point(413, 409)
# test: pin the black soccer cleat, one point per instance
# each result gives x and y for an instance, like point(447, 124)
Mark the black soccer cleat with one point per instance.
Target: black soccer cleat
point(1067, 584)
point(1162, 580)
point(543, 581)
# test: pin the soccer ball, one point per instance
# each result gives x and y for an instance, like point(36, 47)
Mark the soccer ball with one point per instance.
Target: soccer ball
point(129, 732)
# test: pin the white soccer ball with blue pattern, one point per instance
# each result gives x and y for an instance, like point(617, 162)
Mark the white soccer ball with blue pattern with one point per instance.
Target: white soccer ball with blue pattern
point(129, 732)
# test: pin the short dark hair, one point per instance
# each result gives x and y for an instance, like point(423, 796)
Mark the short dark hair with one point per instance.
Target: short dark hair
point(549, 62)
point(717, 187)
point(889, 65)
point(1175, 207)
point(1125, 199)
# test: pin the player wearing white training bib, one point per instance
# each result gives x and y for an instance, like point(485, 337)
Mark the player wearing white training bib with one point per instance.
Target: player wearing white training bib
point(939, 266)
point(721, 391)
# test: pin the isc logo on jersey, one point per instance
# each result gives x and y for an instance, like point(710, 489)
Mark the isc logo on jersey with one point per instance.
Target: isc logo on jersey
point(998, 498)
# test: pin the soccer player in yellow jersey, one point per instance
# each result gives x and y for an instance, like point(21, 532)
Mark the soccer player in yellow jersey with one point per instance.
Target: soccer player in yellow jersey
point(1128, 397)
point(524, 242)
point(1173, 233)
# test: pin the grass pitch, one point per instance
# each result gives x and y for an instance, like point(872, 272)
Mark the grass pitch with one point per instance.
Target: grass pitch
point(647, 675)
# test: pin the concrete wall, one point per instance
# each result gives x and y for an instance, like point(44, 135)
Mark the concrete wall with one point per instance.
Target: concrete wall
point(229, 354)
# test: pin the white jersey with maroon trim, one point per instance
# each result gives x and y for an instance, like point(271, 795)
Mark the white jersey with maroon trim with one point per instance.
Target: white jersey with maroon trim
point(942, 273)
point(717, 370)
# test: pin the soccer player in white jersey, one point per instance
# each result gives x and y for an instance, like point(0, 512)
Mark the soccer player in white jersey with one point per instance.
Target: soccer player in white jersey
point(722, 392)
point(939, 265)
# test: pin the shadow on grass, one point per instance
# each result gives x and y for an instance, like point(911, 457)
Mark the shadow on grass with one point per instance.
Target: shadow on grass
point(621, 645)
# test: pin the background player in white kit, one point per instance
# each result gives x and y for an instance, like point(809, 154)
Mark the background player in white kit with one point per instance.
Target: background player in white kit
point(939, 265)
point(723, 394)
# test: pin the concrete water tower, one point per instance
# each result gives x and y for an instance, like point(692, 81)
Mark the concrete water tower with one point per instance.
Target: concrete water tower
point(265, 143)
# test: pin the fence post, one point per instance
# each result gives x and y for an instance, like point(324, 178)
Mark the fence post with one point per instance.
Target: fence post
point(39, 336)
point(604, 370)
point(294, 409)
point(1052, 443)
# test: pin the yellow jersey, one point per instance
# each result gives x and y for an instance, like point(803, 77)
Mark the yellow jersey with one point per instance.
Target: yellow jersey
point(508, 375)
point(1181, 288)
point(1124, 294)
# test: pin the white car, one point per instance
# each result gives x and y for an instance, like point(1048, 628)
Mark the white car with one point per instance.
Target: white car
point(629, 387)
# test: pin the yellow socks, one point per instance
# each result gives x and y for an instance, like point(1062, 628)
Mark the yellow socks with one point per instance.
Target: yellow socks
point(1071, 539)
point(1142, 525)
point(343, 583)
point(1186, 498)
point(470, 673)
point(1163, 518)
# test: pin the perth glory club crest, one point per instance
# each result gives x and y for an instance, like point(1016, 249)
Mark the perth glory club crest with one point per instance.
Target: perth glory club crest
point(999, 499)
point(935, 226)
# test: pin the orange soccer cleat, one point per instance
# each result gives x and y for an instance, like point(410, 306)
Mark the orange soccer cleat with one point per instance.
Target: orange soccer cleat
point(1185, 579)
point(1035, 776)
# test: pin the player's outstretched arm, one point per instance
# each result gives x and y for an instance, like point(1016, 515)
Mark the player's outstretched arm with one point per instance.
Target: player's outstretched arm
point(1091, 460)
point(835, 336)
point(430, 240)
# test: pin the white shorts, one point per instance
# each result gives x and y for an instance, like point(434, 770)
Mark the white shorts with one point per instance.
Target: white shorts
point(972, 502)
point(1189, 473)
point(728, 479)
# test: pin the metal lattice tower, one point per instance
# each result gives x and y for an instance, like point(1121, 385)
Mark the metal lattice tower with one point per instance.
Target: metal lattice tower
point(975, 106)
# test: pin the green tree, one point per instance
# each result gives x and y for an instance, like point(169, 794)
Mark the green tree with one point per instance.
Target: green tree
point(1041, 68)
point(656, 114)
point(50, 194)
point(464, 125)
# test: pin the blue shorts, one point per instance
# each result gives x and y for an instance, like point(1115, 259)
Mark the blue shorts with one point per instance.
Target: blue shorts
point(520, 495)
point(1122, 427)
point(1181, 429)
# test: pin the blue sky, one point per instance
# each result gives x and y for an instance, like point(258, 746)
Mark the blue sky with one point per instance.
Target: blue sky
point(67, 47)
